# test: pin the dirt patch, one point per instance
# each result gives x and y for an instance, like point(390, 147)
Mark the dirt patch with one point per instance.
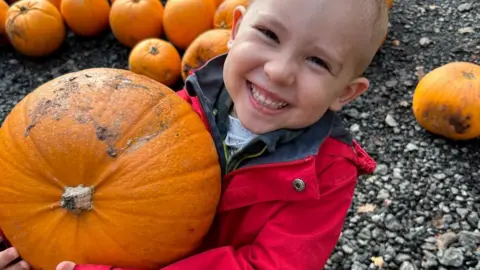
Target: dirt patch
point(121, 81)
point(459, 123)
point(62, 100)
point(55, 107)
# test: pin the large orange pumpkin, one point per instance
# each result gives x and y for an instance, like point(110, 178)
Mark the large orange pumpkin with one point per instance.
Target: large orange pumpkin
point(132, 21)
point(157, 59)
point(224, 14)
point(185, 20)
point(86, 17)
point(3, 18)
point(105, 166)
point(35, 27)
point(205, 47)
point(446, 101)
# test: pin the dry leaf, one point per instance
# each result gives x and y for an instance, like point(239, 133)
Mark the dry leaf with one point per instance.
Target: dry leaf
point(466, 30)
point(366, 208)
point(420, 72)
point(378, 261)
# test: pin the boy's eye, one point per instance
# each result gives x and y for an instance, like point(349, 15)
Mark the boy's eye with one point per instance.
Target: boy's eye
point(319, 62)
point(269, 34)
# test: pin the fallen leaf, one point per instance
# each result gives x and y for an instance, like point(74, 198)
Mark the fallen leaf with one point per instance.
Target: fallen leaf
point(466, 30)
point(420, 72)
point(378, 261)
point(366, 208)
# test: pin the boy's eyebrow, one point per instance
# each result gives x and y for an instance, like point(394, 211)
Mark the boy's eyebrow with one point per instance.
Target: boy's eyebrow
point(332, 58)
point(272, 19)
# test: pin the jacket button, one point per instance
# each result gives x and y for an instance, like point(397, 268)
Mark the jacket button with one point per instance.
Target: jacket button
point(299, 184)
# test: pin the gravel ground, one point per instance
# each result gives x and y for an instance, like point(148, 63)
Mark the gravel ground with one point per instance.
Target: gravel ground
point(420, 210)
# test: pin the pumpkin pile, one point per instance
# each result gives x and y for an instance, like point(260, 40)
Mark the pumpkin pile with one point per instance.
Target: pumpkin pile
point(193, 31)
point(110, 167)
point(446, 101)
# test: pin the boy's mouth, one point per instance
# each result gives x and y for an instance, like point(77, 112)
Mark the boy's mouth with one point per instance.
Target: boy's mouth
point(266, 99)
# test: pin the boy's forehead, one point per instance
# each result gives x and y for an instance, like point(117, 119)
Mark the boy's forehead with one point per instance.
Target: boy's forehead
point(310, 14)
point(318, 7)
point(337, 20)
point(337, 28)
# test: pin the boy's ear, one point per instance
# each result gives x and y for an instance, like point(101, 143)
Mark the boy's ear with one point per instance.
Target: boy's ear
point(357, 87)
point(238, 13)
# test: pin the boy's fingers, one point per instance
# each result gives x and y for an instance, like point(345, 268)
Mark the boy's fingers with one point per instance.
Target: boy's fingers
point(7, 256)
point(21, 265)
point(66, 266)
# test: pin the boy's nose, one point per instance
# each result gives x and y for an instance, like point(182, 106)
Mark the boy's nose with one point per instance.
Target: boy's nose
point(281, 71)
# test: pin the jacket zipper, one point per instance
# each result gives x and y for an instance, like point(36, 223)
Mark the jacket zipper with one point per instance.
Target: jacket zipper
point(237, 163)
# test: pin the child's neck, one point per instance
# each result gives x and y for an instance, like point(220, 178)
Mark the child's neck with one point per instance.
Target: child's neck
point(233, 112)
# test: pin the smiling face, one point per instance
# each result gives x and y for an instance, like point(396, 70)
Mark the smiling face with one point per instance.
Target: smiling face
point(289, 63)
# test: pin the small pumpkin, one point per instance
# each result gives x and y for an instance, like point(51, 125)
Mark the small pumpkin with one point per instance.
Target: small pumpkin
point(86, 17)
point(185, 20)
point(56, 3)
point(224, 14)
point(105, 166)
point(35, 27)
point(205, 47)
point(389, 3)
point(446, 101)
point(134, 20)
point(3, 18)
point(157, 59)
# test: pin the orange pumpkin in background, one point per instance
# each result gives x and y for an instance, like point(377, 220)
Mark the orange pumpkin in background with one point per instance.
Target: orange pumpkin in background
point(35, 27)
point(3, 18)
point(56, 3)
point(92, 155)
point(134, 20)
point(157, 59)
point(86, 17)
point(209, 44)
point(224, 14)
point(185, 20)
point(389, 3)
point(446, 101)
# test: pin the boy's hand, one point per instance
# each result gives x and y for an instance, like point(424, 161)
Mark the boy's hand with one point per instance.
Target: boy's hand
point(9, 255)
point(66, 266)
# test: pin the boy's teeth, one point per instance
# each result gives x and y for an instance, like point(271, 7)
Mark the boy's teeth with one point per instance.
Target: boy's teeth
point(267, 102)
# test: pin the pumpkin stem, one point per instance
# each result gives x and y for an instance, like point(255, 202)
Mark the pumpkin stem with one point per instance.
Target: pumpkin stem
point(153, 50)
point(23, 9)
point(77, 199)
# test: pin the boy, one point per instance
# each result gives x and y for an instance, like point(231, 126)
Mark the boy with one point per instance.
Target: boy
point(289, 166)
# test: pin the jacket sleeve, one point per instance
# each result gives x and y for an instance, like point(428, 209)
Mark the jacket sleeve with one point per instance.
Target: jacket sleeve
point(301, 236)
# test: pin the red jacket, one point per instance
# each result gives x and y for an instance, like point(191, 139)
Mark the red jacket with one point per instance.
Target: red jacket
point(284, 209)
